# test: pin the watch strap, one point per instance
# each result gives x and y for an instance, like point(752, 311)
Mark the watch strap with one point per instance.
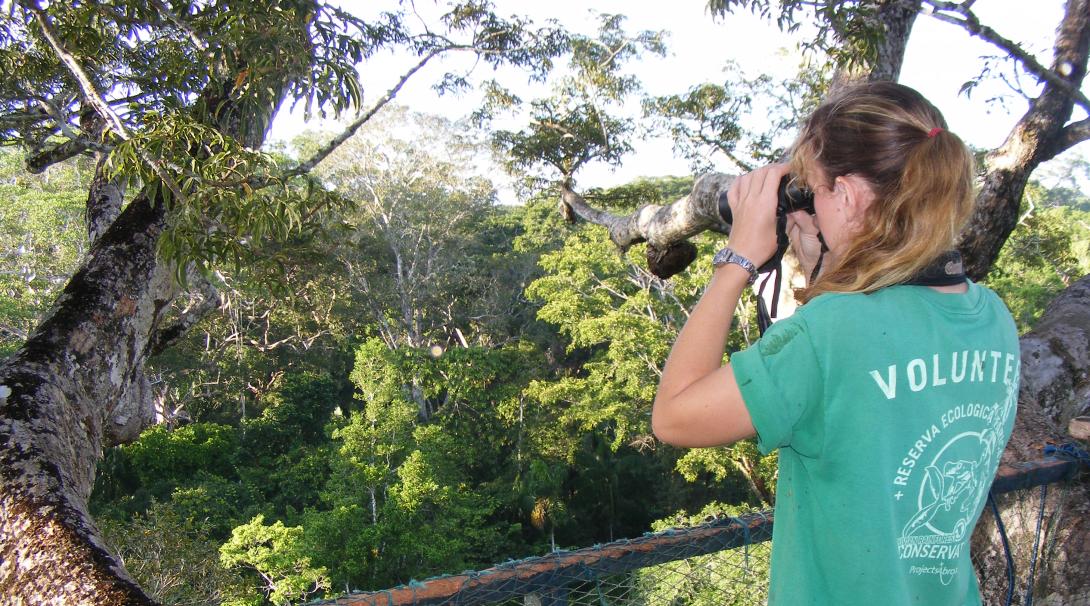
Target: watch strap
point(727, 255)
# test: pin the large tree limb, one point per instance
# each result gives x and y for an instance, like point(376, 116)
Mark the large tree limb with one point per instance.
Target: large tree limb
point(105, 196)
point(666, 229)
point(104, 200)
point(166, 13)
point(58, 153)
point(658, 225)
point(1070, 136)
point(92, 97)
point(1037, 137)
point(897, 18)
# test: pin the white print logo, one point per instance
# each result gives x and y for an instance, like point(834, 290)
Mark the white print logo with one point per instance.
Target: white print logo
point(958, 455)
point(978, 366)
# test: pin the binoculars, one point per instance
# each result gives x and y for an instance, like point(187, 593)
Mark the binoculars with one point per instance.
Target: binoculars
point(789, 198)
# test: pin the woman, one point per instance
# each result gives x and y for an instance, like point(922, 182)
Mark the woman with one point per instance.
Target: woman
point(891, 392)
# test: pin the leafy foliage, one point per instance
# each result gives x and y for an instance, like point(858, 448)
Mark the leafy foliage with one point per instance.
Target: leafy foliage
point(175, 559)
point(625, 320)
point(848, 32)
point(277, 554)
point(228, 204)
point(41, 240)
point(707, 119)
point(416, 236)
point(403, 494)
point(574, 126)
point(180, 96)
point(1048, 250)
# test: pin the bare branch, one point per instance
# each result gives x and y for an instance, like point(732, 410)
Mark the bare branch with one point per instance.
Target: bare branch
point(447, 45)
point(723, 148)
point(971, 23)
point(351, 129)
point(59, 153)
point(208, 299)
point(740, 163)
point(166, 13)
point(15, 332)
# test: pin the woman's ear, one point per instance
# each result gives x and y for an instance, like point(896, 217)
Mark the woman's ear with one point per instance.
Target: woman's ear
point(856, 194)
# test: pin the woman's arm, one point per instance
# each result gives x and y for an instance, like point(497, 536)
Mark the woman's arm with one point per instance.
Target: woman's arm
point(698, 402)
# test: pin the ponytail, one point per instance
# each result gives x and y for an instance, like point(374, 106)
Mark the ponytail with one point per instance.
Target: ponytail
point(920, 172)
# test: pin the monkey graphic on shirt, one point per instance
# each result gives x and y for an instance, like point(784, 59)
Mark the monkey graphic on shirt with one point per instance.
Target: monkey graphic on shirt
point(946, 473)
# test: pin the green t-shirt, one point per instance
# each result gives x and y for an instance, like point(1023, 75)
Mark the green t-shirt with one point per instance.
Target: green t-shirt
point(890, 411)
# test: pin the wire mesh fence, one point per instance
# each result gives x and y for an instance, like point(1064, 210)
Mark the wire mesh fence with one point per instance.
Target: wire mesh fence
point(1016, 554)
point(725, 561)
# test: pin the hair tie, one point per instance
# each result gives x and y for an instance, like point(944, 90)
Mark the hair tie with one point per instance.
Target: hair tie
point(934, 131)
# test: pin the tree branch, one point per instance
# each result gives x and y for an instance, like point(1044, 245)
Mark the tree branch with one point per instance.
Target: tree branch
point(42, 160)
point(104, 200)
point(1037, 137)
point(208, 299)
point(321, 154)
point(660, 226)
point(971, 23)
point(86, 86)
point(92, 97)
point(897, 18)
point(1072, 135)
point(166, 13)
point(447, 45)
point(15, 332)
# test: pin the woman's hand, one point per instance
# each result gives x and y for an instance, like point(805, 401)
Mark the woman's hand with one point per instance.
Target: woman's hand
point(803, 233)
point(752, 199)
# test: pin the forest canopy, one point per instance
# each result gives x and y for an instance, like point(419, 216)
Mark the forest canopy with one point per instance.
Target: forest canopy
point(340, 363)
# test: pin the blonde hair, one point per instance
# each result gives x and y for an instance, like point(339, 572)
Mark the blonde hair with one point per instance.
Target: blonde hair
point(921, 175)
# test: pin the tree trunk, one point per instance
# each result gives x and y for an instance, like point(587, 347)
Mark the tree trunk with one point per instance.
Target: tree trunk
point(897, 18)
point(61, 390)
point(1054, 388)
point(78, 386)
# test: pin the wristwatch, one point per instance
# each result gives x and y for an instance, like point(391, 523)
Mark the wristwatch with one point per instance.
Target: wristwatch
point(727, 255)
